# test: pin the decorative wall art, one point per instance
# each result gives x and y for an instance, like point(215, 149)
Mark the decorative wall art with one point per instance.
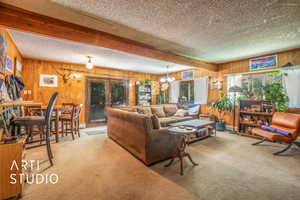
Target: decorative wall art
point(3, 53)
point(187, 75)
point(48, 80)
point(8, 64)
point(18, 67)
point(263, 62)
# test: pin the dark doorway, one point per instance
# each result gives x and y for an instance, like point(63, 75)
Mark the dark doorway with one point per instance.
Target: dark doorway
point(103, 93)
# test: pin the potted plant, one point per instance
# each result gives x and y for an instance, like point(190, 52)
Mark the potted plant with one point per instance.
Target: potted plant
point(224, 104)
point(274, 91)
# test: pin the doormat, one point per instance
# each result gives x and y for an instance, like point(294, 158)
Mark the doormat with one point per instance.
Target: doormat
point(96, 132)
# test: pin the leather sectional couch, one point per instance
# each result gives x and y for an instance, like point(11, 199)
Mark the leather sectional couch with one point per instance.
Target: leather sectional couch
point(135, 133)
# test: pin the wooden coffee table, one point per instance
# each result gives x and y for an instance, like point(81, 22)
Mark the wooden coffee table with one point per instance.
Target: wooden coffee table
point(198, 125)
point(180, 151)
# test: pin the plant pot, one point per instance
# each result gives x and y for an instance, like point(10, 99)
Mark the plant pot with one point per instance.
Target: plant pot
point(220, 126)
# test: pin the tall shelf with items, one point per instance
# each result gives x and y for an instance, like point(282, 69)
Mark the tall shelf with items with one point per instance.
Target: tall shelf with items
point(254, 113)
point(144, 94)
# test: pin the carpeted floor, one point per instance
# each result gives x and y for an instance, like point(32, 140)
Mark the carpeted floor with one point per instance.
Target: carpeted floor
point(94, 167)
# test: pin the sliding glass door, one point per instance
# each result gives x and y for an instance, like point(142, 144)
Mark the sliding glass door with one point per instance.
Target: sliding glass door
point(103, 93)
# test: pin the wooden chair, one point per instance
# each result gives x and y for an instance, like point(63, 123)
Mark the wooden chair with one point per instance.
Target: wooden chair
point(70, 121)
point(44, 121)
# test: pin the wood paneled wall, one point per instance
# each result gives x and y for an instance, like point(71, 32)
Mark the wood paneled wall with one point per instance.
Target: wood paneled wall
point(13, 51)
point(75, 89)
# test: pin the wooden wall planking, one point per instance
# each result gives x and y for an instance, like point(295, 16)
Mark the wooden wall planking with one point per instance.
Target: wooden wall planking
point(75, 89)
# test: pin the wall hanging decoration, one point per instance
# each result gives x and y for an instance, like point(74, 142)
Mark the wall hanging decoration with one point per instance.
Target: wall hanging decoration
point(187, 75)
point(8, 64)
point(18, 67)
point(263, 62)
point(3, 53)
point(48, 80)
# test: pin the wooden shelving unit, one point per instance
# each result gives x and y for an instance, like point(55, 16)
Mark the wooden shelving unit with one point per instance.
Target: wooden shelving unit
point(254, 113)
point(144, 95)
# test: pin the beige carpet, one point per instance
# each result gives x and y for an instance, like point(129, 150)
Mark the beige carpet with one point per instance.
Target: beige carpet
point(94, 167)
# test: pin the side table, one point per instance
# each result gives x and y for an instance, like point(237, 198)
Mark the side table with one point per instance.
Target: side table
point(180, 151)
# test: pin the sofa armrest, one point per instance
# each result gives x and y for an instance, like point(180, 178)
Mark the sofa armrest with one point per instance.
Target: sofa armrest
point(162, 145)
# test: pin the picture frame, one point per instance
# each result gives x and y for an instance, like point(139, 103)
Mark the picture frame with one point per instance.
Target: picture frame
point(262, 63)
point(187, 75)
point(9, 64)
point(3, 53)
point(48, 80)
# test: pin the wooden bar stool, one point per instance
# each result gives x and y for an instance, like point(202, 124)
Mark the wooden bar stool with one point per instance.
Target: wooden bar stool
point(70, 121)
point(44, 121)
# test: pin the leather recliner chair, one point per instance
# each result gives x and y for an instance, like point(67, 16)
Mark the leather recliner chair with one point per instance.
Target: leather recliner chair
point(283, 121)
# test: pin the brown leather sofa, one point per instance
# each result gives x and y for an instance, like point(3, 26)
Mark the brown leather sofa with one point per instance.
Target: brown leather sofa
point(283, 121)
point(135, 133)
point(164, 112)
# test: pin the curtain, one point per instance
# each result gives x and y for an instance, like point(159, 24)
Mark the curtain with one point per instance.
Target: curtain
point(200, 90)
point(174, 91)
point(232, 81)
point(292, 83)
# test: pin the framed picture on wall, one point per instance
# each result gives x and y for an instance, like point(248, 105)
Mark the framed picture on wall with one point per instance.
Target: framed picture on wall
point(263, 62)
point(48, 80)
point(187, 75)
point(3, 53)
point(9, 64)
point(18, 67)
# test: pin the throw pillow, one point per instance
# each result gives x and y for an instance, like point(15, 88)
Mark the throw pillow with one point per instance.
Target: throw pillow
point(268, 128)
point(158, 111)
point(170, 110)
point(155, 122)
point(283, 132)
point(144, 110)
point(181, 113)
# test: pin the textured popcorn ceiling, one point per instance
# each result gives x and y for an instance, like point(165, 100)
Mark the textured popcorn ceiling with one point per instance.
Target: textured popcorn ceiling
point(40, 47)
point(212, 30)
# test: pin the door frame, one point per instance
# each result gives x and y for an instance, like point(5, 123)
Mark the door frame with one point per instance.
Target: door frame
point(108, 100)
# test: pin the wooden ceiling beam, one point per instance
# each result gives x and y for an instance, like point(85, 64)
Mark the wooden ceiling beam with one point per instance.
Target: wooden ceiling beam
point(23, 20)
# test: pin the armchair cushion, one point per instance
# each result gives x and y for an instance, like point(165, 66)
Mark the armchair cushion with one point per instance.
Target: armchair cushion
point(271, 136)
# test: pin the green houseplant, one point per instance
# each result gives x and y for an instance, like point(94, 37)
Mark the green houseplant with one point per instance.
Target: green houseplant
point(274, 91)
point(224, 104)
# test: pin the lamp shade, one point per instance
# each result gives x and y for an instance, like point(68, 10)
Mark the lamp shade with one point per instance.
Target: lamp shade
point(235, 88)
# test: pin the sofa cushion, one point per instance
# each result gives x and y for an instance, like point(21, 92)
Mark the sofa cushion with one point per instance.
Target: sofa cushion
point(158, 111)
point(145, 110)
point(181, 113)
point(170, 109)
point(155, 122)
point(165, 121)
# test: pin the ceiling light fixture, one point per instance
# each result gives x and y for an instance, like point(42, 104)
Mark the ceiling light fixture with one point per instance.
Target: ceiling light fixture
point(167, 78)
point(89, 64)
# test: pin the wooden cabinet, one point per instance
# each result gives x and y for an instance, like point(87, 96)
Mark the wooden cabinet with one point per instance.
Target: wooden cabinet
point(8, 154)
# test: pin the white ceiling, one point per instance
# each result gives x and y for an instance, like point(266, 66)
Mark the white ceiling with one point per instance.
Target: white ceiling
point(211, 30)
point(45, 48)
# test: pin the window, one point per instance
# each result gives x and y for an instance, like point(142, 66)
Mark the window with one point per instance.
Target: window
point(119, 92)
point(186, 91)
point(254, 85)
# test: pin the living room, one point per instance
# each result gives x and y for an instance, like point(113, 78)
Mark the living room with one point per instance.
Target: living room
point(149, 100)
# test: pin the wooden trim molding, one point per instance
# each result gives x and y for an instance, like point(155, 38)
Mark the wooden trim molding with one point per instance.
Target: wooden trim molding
point(23, 20)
